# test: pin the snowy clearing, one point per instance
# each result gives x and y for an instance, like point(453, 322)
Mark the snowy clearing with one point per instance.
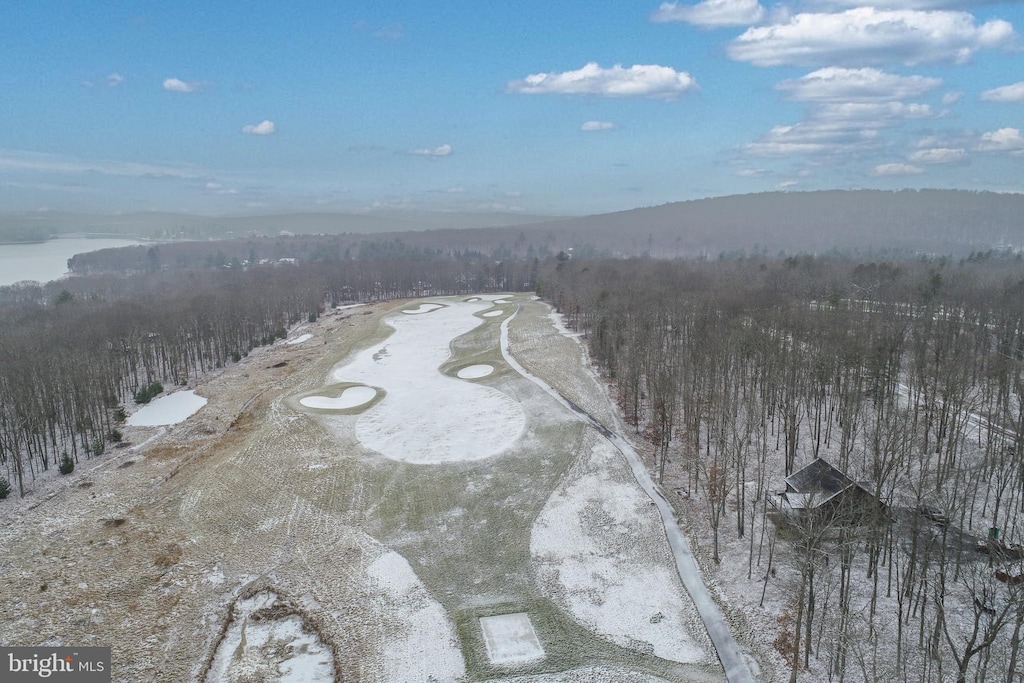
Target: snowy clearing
point(475, 371)
point(347, 306)
point(492, 314)
point(350, 398)
point(510, 638)
point(423, 308)
point(425, 648)
point(167, 410)
point(593, 549)
point(298, 340)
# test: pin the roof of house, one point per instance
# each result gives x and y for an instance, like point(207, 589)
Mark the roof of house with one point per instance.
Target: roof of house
point(819, 477)
point(816, 483)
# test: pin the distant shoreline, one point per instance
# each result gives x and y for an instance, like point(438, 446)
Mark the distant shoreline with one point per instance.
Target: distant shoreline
point(79, 235)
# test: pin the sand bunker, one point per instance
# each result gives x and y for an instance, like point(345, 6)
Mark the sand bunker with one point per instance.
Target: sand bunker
point(491, 314)
point(350, 398)
point(427, 417)
point(510, 638)
point(475, 371)
point(423, 308)
point(498, 302)
point(472, 299)
point(167, 410)
point(298, 340)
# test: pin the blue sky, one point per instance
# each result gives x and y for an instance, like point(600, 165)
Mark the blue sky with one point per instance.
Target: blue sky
point(534, 107)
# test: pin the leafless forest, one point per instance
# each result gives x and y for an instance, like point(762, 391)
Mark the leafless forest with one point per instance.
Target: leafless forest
point(906, 375)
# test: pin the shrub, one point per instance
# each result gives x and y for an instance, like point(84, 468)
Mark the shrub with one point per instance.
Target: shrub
point(120, 414)
point(236, 356)
point(67, 465)
point(5, 488)
point(116, 436)
point(312, 317)
point(145, 394)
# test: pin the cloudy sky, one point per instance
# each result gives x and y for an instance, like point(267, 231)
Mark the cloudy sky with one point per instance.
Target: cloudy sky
point(536, 107)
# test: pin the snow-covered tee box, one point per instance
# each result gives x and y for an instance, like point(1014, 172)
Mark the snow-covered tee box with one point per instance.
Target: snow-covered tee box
point(510, 638)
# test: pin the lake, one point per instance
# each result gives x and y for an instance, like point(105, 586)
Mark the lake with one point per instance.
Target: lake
point(47, 261)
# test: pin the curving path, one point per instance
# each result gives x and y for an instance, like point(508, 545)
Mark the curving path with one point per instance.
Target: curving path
point(728, 650)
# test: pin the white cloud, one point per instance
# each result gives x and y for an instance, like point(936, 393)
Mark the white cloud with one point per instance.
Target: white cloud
point(837, 128)
point(115, 79)
point(952, 97)
point(786, 184)
point(939, 155)
point(590, 126)
point(639, 80)
point(896, 169)
point(264, 127)
point(1004, 139)
point(750, 172)
point(914, 4)
point(776, 148)
point(712, 13)
point(433, 152)
point(178, 85)
point(838, 84)
point(1006, 93)
point(867, 36)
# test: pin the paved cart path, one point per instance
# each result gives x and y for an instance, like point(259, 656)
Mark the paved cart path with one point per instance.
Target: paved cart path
point(729, 652)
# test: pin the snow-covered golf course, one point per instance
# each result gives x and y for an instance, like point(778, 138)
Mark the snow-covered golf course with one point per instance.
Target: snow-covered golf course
point(403, 502)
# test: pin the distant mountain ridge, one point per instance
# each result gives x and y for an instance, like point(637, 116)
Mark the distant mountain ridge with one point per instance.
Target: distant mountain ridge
point(925, 221)
point(953, 222)
point(167, 225)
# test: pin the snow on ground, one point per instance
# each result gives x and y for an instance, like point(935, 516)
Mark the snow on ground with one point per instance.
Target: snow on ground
point(426, 648)
point(298, 340)
point(426, 416)
point(347, 306)
point(493, 314)
point(599, 551)
point(586, 674)
point(167, 410)
point(510, 638)
point(475, 371)
point(262, 648)
point(558, 320)
point(423, 308)
point(350, 398)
